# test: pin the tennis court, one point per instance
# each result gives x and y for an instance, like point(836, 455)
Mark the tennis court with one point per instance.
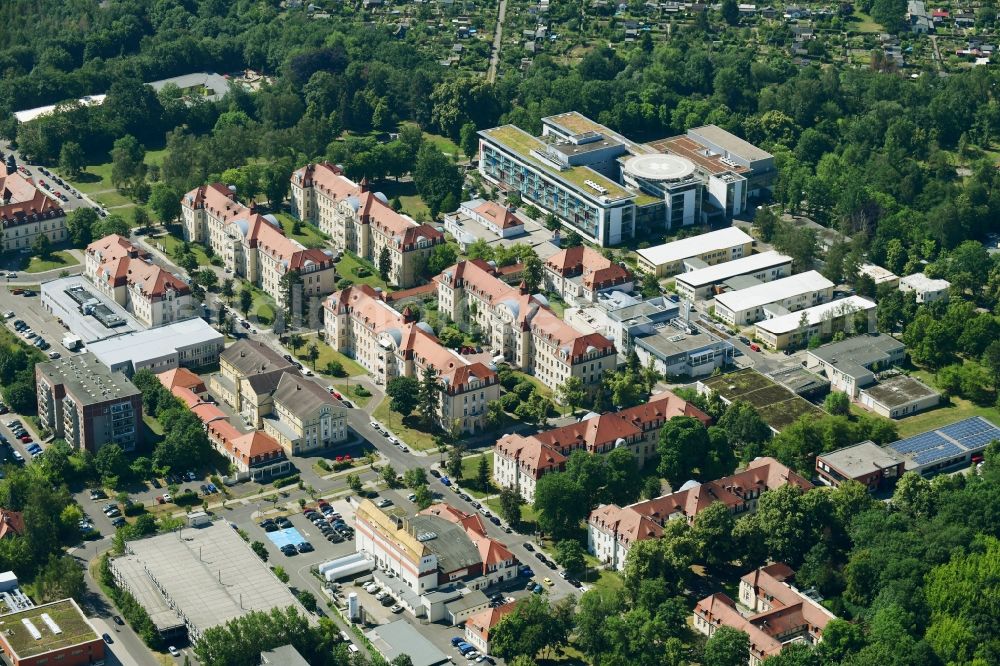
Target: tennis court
point(290, 536)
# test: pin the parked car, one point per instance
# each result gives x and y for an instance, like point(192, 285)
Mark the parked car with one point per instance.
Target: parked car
point(305, 547)
point(118, 522)
point(117, 620)
point(396, 609)
point(173, 651)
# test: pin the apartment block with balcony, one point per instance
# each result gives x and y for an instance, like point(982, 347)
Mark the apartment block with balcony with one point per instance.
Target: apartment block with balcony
point(391, 344)
point(362, 222)
point(522, 327)
point(26, 212)
point(127, 275)
point(81, 401)
point(305, 417)
point(253, 246)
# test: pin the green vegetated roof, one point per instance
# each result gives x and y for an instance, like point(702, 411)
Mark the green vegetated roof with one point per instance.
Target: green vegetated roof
point(523, 143)
point(73, 628)
point(778, 406)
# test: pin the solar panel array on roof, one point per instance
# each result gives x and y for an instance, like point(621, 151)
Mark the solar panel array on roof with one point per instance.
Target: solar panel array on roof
point(949, 442)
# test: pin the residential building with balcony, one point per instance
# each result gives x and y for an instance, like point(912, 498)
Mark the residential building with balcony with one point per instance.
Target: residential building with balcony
point(305, 417)
point(522, 327)
point(128, 276)
point(83, 402)
point(608, 188)
point(611, 530)
point(362, 221)
point(391, 344)
point(770, 611)
point(26, 212)
point(253, 246)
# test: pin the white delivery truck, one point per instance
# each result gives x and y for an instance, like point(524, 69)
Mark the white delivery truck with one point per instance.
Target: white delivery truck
point(72, 342)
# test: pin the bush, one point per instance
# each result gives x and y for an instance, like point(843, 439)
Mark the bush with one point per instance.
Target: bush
point(323, 465)
point(287, 481)
point(362, 392)
point(344, 283)
point(362, 272)
point(280, 572)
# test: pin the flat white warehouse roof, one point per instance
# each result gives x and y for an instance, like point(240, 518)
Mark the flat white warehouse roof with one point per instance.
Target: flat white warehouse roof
point(790, 322)
point(920, 282)
point(142, 346)
point(669, 253)
point(728, 269)
point(772, 292)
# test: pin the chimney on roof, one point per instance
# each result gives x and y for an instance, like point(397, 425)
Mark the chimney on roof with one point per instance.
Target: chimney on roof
point(7, 196)
point(363, 185)
point(408, 316)
point(523, 287)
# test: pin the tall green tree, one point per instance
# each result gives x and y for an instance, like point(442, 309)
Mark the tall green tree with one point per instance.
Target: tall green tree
point(727, 647)
point(72, 159)
point(429, 396)
point(384, 264)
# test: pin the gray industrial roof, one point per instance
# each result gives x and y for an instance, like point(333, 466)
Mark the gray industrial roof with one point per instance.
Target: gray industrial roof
point(900, 390)
point(670, 341)
point(210, 575)
point(87, 379)
point(88, 327)
point(452, 546)
point(285, 655)
point(400, 637)
point(730, 142)
point(854, 355)
point(860, 459)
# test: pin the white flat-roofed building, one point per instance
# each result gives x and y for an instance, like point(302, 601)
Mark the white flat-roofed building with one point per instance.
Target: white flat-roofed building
point(766, 266)
point(793, 293)
point(851, 313)
point(927, 289)
point(191, 343)
point(714, 247)
point(878, 274)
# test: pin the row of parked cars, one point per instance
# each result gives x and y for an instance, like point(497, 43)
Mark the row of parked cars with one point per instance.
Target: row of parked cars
point(329, 522)
point(470, 652)
point(30, 336)
point(57, 180)
point(384, 597)
point(389, 436)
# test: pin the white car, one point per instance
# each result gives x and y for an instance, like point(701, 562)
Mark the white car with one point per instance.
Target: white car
point(375, 425)
point(412, 497)
point(381, 595)
point(9, 314)
point(371, 588)
point(174, 652)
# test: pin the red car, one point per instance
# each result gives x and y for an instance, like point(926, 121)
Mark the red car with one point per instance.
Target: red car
point(337, 395)
point(755, 347)
point(25, 438)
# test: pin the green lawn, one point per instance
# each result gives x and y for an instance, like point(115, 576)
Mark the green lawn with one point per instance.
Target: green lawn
point(443, 143)
point(170, 243)
point(410, 201)
point(262, 311)
point(470, 471)
point(349, 393)
point(58, 259)
point(417, 439)
point(348, 267)
point(113, 200)
point(864, 23)
point(308, 235)
point(328, 353)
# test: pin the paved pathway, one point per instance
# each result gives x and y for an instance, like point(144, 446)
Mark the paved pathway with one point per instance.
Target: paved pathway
point(491, 75)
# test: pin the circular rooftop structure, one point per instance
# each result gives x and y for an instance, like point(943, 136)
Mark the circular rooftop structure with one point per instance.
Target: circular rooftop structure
point(660, 167)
